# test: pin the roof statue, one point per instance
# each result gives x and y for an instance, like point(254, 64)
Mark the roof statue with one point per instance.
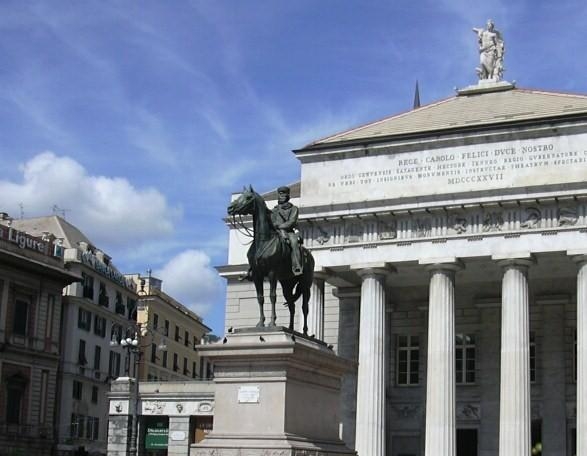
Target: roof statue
point(491, 51)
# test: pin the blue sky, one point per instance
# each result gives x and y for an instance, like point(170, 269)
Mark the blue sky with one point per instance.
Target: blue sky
point(141, 117)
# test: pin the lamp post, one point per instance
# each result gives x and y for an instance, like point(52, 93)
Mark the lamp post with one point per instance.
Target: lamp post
point(131, 344)
point(129, 338)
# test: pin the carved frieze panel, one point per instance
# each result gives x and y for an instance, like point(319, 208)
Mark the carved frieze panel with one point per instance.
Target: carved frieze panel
point(154, 407)
point(508, 219)
point(387, 230)
point(468, 412)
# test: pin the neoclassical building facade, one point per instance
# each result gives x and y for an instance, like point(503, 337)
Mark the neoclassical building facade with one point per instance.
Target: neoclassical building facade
point(451, 264)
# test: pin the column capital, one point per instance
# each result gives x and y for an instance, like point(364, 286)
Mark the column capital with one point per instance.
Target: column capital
point(579, 256)
point(369, 269)
point(514, 259)
point(322, 273)
point(449, 264)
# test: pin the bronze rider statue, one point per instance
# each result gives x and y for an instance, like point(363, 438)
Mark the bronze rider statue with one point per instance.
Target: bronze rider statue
point(285, 219)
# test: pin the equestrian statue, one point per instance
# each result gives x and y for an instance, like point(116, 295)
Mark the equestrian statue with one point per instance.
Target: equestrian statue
point(276, 252)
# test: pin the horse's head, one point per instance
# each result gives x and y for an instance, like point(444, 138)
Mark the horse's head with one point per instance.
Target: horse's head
point(244, 204)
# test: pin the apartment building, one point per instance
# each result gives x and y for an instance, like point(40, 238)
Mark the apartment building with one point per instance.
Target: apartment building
point(32, 276)
point(98, 308)
point(171, 336)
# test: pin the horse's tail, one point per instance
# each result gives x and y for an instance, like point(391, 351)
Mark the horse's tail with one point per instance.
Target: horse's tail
point(297, 291)
point(305, 281)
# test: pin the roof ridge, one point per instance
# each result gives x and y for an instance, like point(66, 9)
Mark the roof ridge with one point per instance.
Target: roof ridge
point(383, 119)
point(551, 92)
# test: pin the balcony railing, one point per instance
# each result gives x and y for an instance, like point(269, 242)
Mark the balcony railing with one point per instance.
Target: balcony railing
point(18, 431)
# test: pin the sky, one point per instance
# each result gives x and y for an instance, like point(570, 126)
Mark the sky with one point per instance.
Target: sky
point(136, 120)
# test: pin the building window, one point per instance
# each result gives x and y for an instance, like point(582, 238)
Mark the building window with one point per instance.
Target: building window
point(185, 366)
point(175, 363)
point(88, 286)
point(81, 353)
point(21, 314)
point(84, 319)
point(50, 315)
point(92, 428)
point(532, 356)
point(16, 386)
point(103, 299)
point(99, 326)
point(408, 360)
point(194, 369)
point(131, 307)
point(119, 305)
point(77, 426)
point(114, 364)
point(195, 343)
point(186, 338)
point(153, 353)
point(465, 358)
point(155, 321)
point(97, 355)
point(77, 390)
point(177, 338)
point(94, 394)
point(166, 331)
point(164, 361)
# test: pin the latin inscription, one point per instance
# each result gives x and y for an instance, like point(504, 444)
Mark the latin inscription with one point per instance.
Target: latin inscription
point(465, 167)
point(522, 163)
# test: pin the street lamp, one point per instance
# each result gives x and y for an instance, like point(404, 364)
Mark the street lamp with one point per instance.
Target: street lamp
point(132, 345)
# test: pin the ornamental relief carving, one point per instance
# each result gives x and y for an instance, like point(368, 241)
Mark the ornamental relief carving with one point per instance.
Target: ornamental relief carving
point(492, 221)
point(387, 230)
point(155, 407)
point(470, 221)
point(468, 412)
point(532, 217)
point(567, 216)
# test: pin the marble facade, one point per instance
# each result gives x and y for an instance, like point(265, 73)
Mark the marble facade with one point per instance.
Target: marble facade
point(456, 229)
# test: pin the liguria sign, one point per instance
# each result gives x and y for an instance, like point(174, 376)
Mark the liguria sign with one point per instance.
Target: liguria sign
point(25, 241)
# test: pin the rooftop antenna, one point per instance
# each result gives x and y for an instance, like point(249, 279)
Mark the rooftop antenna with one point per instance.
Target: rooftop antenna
point(417, 96)
point(21, 206)
point(57, 210)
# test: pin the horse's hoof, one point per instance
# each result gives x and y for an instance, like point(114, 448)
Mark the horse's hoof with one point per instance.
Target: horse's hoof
point(261, 324)
point(272, 324)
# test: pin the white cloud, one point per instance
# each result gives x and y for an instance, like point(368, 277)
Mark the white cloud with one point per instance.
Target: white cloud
point(189, 278)
point(109, 210)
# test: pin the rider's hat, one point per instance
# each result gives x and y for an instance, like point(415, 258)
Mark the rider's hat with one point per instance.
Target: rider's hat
point(283, 189)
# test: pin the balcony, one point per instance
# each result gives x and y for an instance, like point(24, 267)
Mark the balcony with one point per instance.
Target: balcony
point(103, 301)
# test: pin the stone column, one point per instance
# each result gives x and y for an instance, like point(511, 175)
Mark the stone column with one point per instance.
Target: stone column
point(514, 397)
point(581, 261)
point(370, 426)
point(440, 378)
point(179, 426)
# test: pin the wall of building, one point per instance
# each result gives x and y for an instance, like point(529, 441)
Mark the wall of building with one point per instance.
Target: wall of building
point(29, 359)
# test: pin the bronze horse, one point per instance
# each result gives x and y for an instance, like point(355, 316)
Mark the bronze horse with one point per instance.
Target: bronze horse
point(270, 256)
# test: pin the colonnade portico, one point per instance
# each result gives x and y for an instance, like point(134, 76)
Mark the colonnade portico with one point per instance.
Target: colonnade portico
point(377, 279)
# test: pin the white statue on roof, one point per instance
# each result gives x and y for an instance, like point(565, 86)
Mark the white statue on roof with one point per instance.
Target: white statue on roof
point(491, 51)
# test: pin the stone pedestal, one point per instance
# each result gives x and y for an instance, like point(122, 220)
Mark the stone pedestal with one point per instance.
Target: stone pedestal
point(119, 425)
point(277, 393)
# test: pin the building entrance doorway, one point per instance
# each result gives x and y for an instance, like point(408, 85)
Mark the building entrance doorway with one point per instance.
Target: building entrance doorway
point(466, 442)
